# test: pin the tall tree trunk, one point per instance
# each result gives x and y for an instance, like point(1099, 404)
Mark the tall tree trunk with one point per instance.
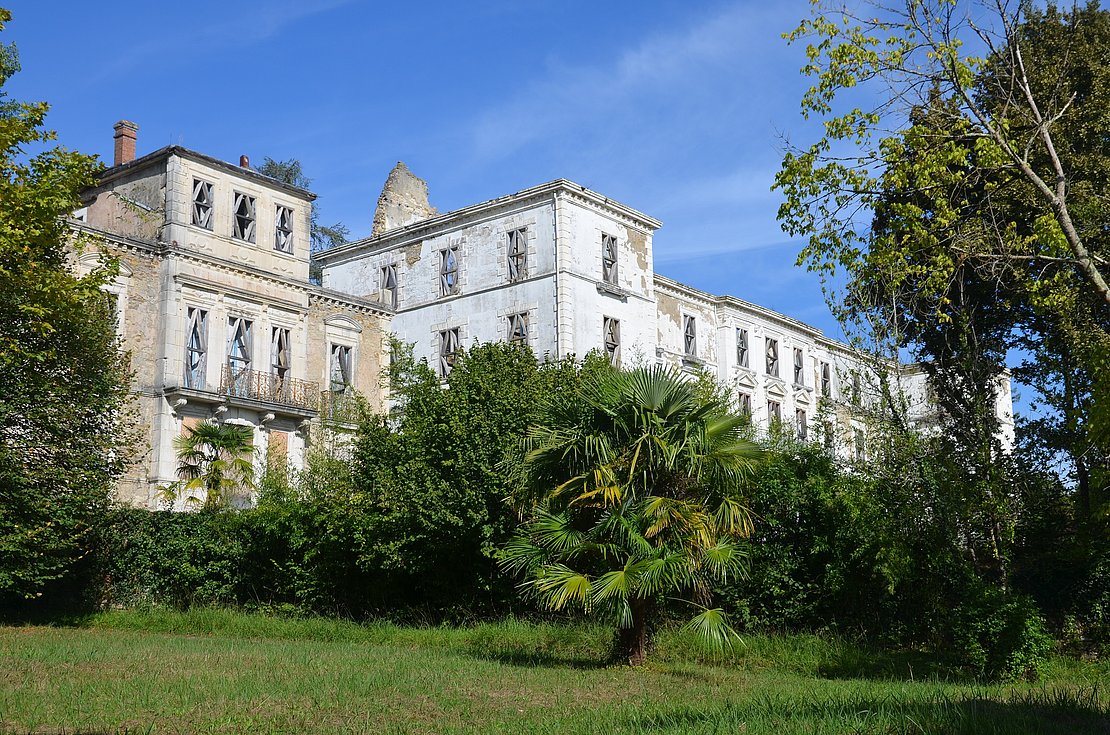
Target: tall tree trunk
point(633, 642)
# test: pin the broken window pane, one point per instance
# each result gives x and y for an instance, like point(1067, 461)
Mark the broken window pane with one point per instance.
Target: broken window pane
point(826, 380)
point(773, 357)
point(799, 367)
point(690, 336)
point(388, 293)
point(202, 204)
point(279, 353)
point(609, 258)
point(860, 444)
point(744, 402)
point(742, 347)
point(239, 354)
point(518, 329)
point(448, 347)
point(448, 272)
point(340, 372)
point(612, 332)
point(518, 255)
point(196, 348)
point(243, 228)
point(801, 424)
point(283, 230)
point(774, 411)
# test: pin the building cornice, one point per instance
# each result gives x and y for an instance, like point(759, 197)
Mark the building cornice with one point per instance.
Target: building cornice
point(460, 217)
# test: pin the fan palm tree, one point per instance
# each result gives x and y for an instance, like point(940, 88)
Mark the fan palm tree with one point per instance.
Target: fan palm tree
point(217, 459)
point(632, 491)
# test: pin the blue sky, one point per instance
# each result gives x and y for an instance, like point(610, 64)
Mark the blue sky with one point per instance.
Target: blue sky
point(674, 108)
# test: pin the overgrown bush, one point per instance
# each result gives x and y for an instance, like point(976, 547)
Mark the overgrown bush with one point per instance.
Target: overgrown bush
point(999, 636)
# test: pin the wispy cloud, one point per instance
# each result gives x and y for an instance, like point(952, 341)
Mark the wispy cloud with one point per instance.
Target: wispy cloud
point(256, 22)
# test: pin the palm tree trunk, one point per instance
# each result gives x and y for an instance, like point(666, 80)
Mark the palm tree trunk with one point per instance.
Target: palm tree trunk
point(633, 642)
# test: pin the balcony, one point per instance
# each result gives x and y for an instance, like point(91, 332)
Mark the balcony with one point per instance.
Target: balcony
point(256, 385)
point(339, 408)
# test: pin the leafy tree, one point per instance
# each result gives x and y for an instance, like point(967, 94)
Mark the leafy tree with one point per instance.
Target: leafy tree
point(217, 459)
point(633, 489)
point(429, 481)
point(322, 236)
point(63, 380)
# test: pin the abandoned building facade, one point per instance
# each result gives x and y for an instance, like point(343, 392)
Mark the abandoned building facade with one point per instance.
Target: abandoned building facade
point(215, 303)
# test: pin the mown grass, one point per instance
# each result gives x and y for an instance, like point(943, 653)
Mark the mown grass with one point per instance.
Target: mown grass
point(220, 671)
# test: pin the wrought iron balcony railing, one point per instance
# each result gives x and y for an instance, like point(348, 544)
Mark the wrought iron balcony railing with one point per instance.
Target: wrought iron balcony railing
point(260, 386)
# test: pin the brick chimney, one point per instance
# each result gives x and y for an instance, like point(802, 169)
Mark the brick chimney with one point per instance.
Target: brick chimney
point(126, 134)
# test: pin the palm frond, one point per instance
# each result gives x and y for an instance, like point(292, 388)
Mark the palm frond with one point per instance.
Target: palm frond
point(711, 628)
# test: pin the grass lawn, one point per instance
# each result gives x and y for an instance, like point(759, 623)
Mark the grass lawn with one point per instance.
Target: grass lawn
point(217, 671)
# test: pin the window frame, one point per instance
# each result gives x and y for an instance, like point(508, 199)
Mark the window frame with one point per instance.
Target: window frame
point(341, 362)
point(280, 353)
point(517, 254)
point(204, 212)
point(742, 347)
point(826, 379)
point(610, 260)
point(772, 355)
point(385, 273)
point(690, 336)
point(611, 339)
point(195, 376)
point(448, 349)
point(799, 367)
point(244, 226)
point(283, 229)
point(449, 271)
point(801, 423)
point(518, 328)
point(774, 410)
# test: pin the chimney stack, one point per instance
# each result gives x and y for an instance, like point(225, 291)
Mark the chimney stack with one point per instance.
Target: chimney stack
point(244, 162)
point(126, 134)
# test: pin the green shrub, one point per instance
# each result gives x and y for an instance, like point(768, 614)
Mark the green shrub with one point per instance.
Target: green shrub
point(999, 636)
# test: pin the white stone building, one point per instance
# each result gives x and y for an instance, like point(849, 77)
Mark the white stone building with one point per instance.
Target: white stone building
point(568, 270)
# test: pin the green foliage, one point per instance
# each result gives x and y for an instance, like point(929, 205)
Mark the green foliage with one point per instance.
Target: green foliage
point(999, 636)
point(633, 491)
point(215, 462)
point(63, 380)
point(429, 480)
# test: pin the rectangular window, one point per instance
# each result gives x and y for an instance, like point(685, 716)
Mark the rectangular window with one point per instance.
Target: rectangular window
point(690, 336)
point(826, 380)
point(202, 204)
point(609, 258)
point(449, 272)
point(388, 293)
point(196, 348)
point(802, 424)
point(340, 369)
point(774, 411)
point(518, 329)
point(518, 255)
point(773, 357)
point(243, 226)
point(448, 347)
point(283, 230)
point(612, 333)
point(239, 354)
point(279, 353)
point(860, 444)
point(744, 403)
point(799, 367)
point(742, 347)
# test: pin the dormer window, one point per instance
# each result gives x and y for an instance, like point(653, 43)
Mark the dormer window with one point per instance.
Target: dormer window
point(244, 220)
point(283, 230)
point(202, 204)
point(609, 259)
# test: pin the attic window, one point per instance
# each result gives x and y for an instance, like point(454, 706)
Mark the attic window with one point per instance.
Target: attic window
point(202, 204)
point(283, 230)
point(244, 217)
point(518, 255)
